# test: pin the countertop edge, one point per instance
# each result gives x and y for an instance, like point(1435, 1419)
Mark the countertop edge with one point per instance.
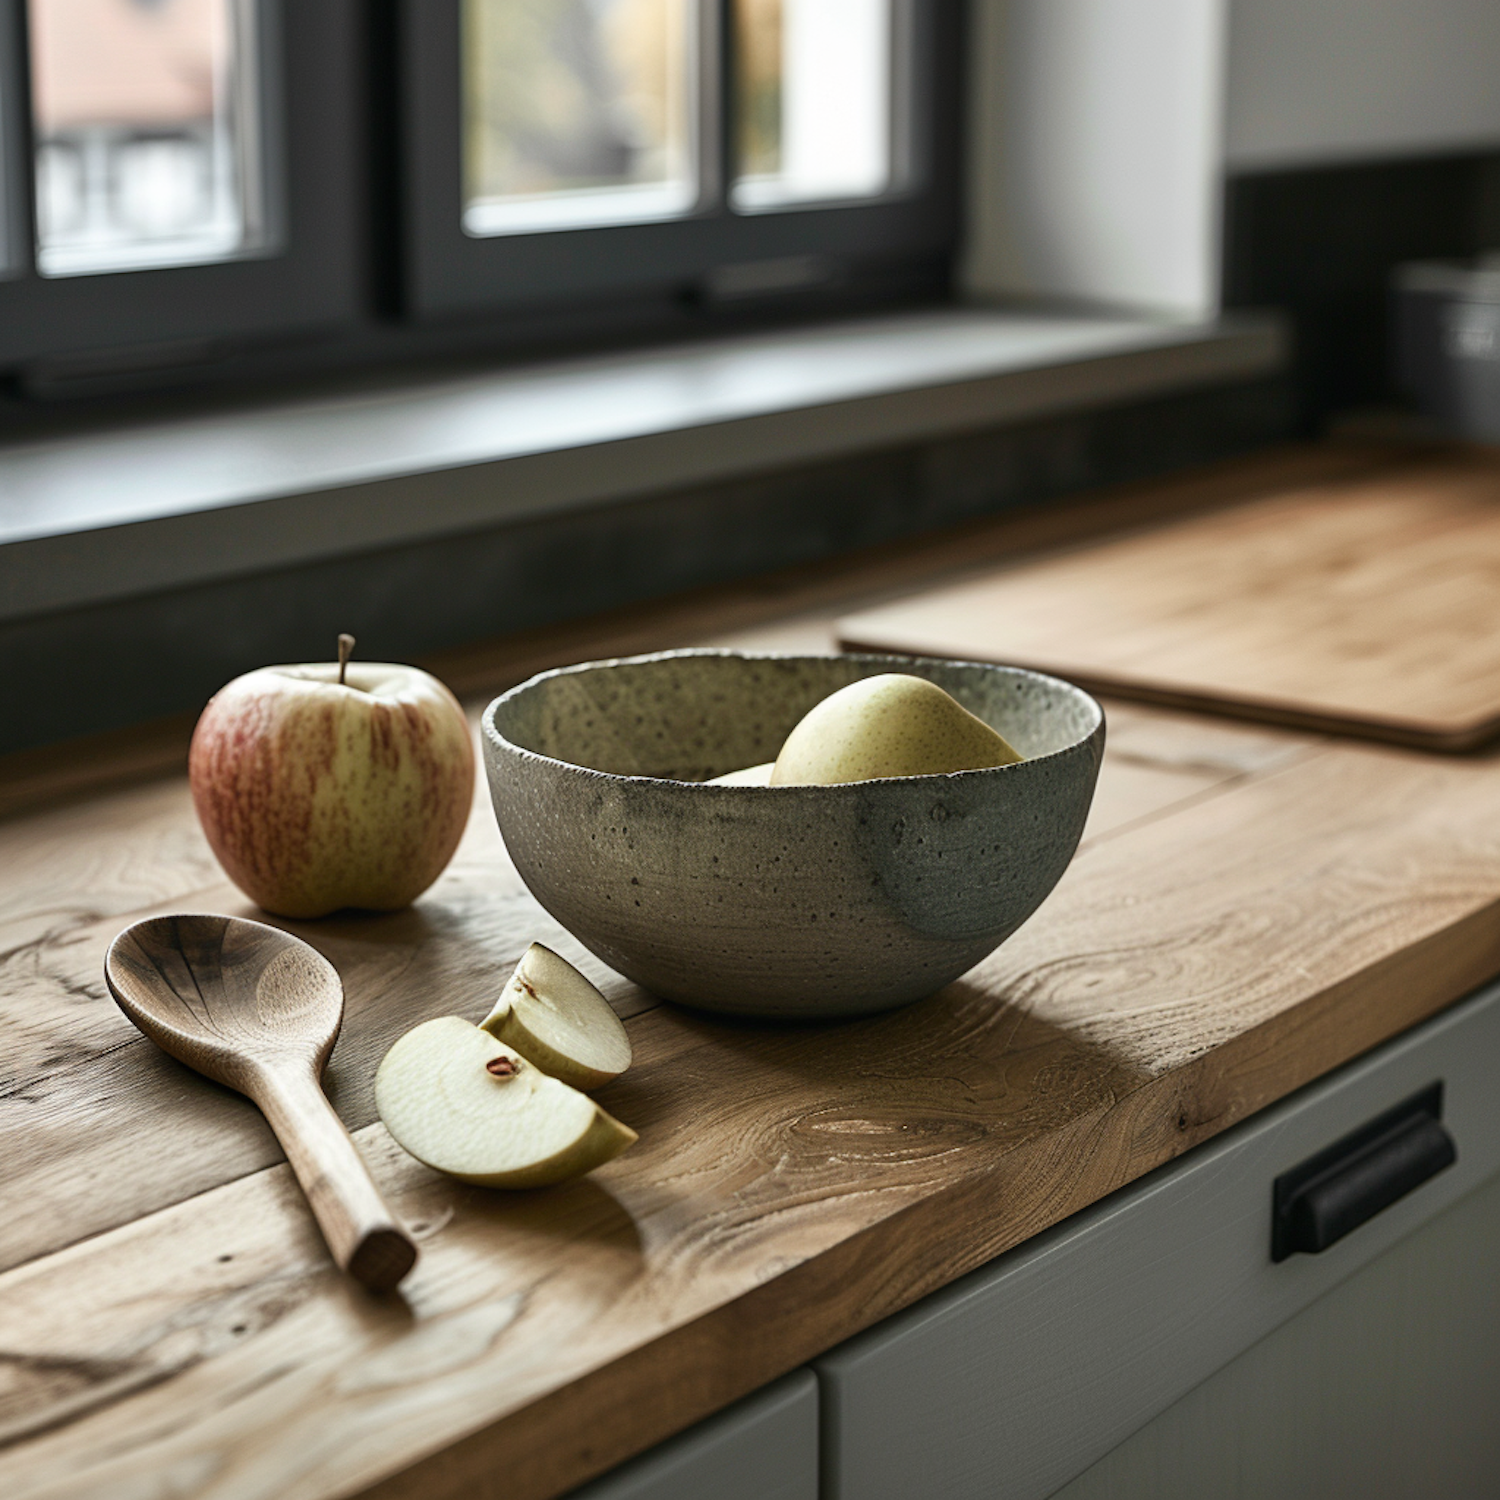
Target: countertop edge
point(1171, 1113)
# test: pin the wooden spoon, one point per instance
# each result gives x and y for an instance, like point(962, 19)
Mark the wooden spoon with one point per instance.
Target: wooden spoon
point(257, 1009)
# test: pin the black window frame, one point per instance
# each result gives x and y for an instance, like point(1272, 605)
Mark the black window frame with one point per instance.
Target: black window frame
point(372, 265)
point(308, 276)
point(449, 272)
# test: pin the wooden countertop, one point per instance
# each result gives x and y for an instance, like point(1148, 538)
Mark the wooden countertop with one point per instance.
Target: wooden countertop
point(1250, 908)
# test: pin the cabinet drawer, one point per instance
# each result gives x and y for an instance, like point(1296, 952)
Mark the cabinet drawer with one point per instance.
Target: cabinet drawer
point(1018, 1377)
point(762, 1448)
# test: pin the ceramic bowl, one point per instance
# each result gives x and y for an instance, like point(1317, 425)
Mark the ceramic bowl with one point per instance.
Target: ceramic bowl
point(806, 902)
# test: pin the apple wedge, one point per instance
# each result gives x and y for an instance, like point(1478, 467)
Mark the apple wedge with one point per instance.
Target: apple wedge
point(558, 1021)
point(465, 1104)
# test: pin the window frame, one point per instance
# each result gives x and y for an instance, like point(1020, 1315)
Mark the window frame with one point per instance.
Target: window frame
point(374, 269)
point(16, 214)
point(448, 273)
point(308, 277)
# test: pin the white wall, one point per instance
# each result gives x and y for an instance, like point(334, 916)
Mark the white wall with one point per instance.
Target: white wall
point(1102, 128)
point(1339, 80)
point(1096, 151)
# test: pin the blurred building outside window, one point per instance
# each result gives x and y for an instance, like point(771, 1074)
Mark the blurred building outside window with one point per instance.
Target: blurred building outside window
point(579, 112)
point(146, 133)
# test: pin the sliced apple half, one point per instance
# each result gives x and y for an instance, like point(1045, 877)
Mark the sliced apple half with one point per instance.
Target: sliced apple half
point(466, 1104)
point(749, 776)
point(560, 1022)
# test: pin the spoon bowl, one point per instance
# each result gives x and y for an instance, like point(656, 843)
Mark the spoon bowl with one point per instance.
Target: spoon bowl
point(258, 1010)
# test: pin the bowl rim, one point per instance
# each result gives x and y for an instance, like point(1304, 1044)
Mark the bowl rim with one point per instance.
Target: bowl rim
point(492, 733)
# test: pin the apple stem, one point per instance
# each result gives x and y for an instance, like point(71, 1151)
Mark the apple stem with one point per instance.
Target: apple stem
point(346, 649)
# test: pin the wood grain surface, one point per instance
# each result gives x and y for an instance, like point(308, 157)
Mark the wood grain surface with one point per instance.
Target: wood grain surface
point(1250, 908)
point(1366, 605)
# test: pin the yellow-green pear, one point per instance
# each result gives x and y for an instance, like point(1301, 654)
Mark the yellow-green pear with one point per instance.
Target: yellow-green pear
point(892, 724)
point(467, 1105)
point(560, 1022)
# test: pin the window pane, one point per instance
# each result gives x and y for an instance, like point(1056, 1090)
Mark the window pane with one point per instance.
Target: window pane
point(578, 112)
point(815, 101)
point(146, 140)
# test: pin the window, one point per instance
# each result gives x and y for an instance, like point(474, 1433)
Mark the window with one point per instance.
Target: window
point(818, 83)
point(11, 168)
point(188, 180)
point(580, 113)
point(146, 130)
point(629, 152)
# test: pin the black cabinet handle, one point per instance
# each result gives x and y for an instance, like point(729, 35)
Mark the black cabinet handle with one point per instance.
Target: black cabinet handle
point(1319, 1202)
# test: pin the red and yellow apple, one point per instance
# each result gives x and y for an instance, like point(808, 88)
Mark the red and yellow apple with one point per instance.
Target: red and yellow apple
point(321, 788)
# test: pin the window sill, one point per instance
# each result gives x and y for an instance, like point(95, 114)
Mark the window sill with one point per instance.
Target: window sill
point(86, 520)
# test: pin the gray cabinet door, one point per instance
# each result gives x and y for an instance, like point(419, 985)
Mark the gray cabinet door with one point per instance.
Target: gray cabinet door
point(762, 1448)
point(1387, 1388)
point(1015, 1379)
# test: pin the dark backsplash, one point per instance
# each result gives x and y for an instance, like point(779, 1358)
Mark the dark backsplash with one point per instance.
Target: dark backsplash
point(167, 652)
point(1320, 243)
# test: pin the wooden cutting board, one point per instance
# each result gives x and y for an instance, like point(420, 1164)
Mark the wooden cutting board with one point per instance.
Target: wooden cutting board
point(1368, 607)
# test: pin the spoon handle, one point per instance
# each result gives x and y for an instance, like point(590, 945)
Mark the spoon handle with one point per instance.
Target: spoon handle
point(363, 1234)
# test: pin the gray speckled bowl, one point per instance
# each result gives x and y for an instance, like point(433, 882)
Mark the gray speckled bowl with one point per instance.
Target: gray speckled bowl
point(785, 902)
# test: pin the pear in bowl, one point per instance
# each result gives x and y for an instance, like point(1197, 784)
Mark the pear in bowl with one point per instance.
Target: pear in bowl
point(790, 901)
point(892, 724)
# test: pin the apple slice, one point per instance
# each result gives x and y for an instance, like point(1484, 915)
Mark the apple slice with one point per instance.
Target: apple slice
point(465, 1104)
point(557, 1020)
point(749, 776)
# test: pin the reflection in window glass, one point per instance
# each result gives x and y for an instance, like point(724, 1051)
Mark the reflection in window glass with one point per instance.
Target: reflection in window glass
point(577, 112)
point(815, 101)
point(145, 132)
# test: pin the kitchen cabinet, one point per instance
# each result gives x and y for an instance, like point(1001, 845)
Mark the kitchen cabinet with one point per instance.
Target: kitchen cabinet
point(763, 1448)
point(1159, 1317)
point(1017, 1378)
point(1386, 1388)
